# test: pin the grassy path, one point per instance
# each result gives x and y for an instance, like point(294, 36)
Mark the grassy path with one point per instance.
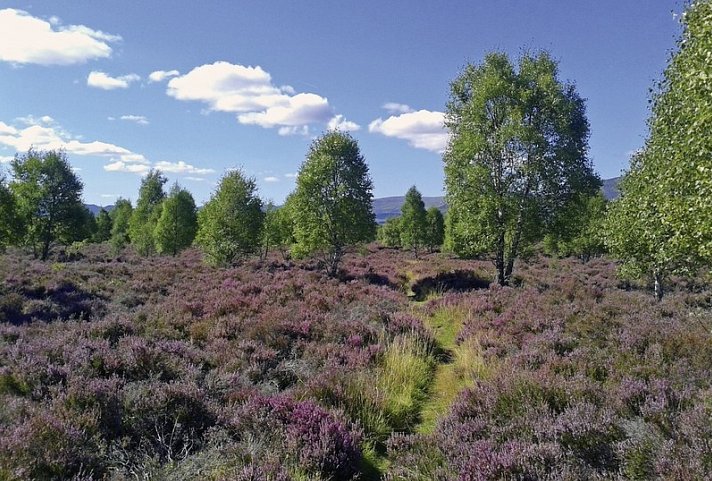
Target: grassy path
point(459, 366)
point(416, 386)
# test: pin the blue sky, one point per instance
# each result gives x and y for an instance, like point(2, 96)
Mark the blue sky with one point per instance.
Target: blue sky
point(195, 88)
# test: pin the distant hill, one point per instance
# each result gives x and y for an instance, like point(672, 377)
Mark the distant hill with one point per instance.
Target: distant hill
point(610, 188)
point(387, 207)
point(94, 209)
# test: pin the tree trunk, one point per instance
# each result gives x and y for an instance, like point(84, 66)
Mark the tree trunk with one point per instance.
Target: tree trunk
point(499, 261)
point(514, 249)
point(45, 249)
point(334, 262)
point(658, 281)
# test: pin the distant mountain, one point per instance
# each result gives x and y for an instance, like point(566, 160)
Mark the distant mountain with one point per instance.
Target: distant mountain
point(94, 209)
point(387, 207)
point(610, 188)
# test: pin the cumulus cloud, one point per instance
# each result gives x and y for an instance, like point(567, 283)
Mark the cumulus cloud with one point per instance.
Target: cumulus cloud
point(271, 178)
point(100, 80)
point(338, 122)
point(139, 119)
point(161, 75)
point(396, 108)
point(249, 92)
point(45, 134)
point(302, 109)
point(120, 166)
point(181, 167)
point(25, 39)
point(294, 130)
point(422, 129)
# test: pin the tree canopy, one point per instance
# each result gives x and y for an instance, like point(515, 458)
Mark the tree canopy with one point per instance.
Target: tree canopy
point(120, 219)
point(413, 221)
point(278, 231)
point(8, 219)
point(103, 226)
point(178, 223)
point(48, 200)
point(230, 224)
point(661, 224)
point(435, 229)
point(332, 201)
point(143, 221)
point(518, 153)
point(389, 234)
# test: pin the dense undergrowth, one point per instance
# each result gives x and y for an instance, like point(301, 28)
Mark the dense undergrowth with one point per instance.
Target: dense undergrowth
point(163, 368)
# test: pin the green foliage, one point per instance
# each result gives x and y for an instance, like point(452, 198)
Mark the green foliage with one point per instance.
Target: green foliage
point(278, 231)
point(8, 215)
point(178, 223)
point(579, 229)
point(103, 226)
point(413, 223)
point(332, 201)
point(661, 224)
point(517, 155)
point(120, 220)
point(48, 200)
point(230, 224)
point(144, 219)
point(435, 229)
point(86, 227)
point(389, 234)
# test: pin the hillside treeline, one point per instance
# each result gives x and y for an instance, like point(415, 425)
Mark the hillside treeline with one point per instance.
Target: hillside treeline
point(517, 175)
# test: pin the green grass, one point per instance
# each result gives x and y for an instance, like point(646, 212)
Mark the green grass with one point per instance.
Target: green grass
point(445, 324)
point(464, 364)
point(450, 380)
point(403, 381)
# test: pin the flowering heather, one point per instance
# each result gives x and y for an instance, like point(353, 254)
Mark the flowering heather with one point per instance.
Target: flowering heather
point(114, 367)
point(587, 381)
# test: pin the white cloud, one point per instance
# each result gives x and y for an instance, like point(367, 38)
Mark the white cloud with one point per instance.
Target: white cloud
point(422, 129)
point(25, 39)
point(161, 75)
point(294, 130)
point(396, 108)
point(271, 178)
point(7, 129)
point(338, 122)
point(6, 159)
point(195, 179)
point(120, 166)
point(302, 109)
point(31, 120)
point(108, 196)
point(139, 119)
point(100, 80)
point(45, 134)
point(291, 175)
point(249, 92)
point(181, 167)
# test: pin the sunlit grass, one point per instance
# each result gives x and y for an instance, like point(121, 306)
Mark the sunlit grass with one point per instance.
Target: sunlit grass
point(450, 380)
point(464, 364)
